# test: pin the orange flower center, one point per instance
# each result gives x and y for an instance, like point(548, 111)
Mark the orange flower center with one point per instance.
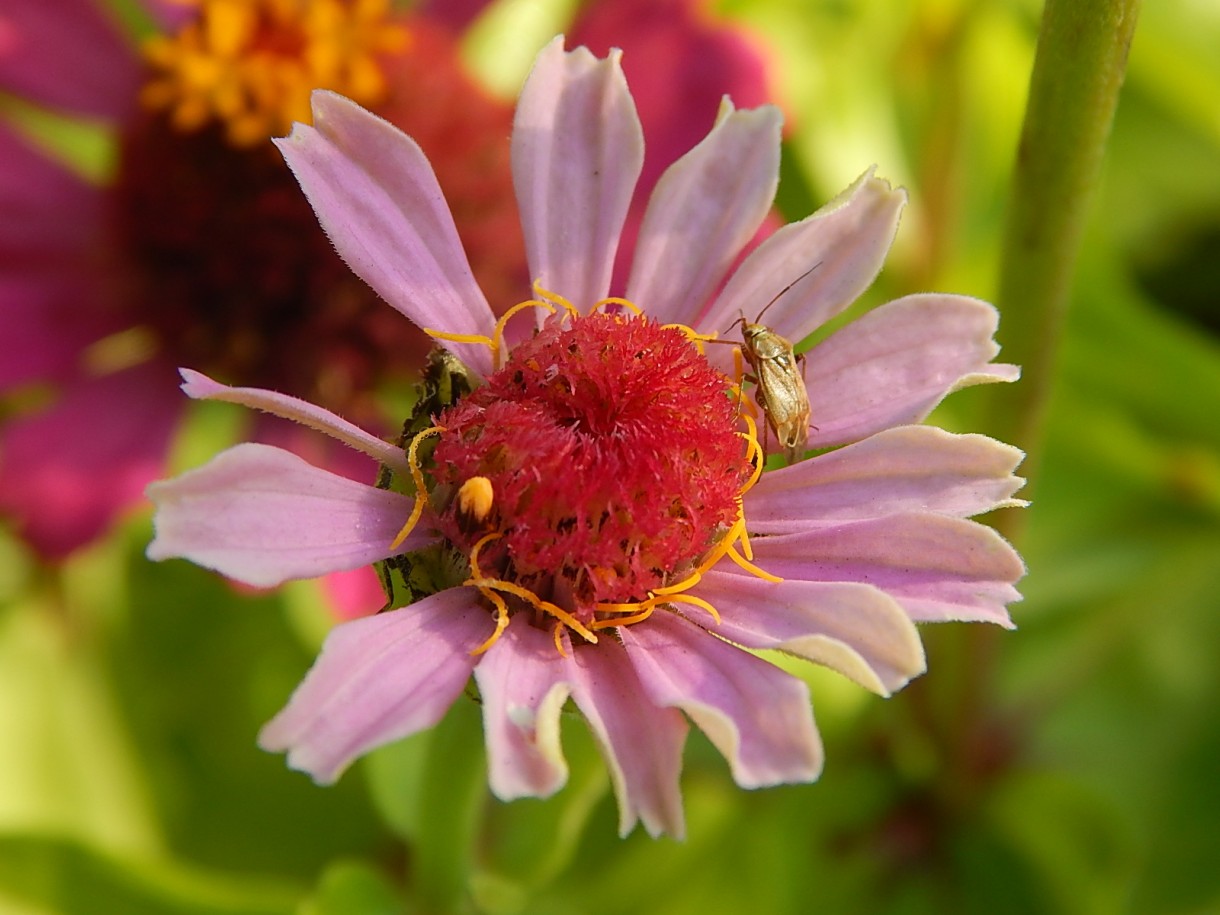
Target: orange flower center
point(251, 64)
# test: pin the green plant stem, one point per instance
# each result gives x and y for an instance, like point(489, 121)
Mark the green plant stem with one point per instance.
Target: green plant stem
point(1078, 71)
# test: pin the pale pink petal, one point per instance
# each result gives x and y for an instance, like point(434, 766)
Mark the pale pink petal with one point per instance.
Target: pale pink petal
point(909, 468)
point(69, 54)
point(843, 245)
point(892, 366)
point(262, 516)
point(680, 62)
point(522, 680)
point(577, 149)
point(642, 743)
point(853, 628)
point(704, 210)
point(379, 202)
point(938, 568)
point(201, 387)
point(379, 679)
point(757, 715)
point(67, 471)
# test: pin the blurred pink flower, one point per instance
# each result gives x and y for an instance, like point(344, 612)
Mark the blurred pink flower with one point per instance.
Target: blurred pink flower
point(198, 248)
point(593, 510)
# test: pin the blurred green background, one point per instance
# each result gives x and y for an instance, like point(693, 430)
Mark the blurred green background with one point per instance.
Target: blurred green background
point(1067, 767)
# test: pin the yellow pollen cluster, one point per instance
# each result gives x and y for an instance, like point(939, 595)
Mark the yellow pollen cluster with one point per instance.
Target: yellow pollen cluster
point(251, 64)
point(607, 615)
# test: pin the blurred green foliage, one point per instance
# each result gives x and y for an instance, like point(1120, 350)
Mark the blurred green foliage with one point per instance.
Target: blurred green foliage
point(1069, 767)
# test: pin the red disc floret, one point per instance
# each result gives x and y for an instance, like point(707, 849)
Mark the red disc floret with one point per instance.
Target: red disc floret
point(612, 450)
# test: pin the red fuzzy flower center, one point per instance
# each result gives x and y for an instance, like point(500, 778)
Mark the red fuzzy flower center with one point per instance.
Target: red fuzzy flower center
point(613, 457)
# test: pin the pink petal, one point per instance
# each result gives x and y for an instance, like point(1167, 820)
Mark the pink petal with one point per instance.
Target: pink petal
point(66, 472)
point(262, 516)
point(379, 679)
point(522, 680)
point(577, 151)
point(201, 387)
point(680, 62)
point(757, 715)
point(68, 54)
point(853, 628)
point(847, 239)
point(704, 210)
point(379, 202)
point(909, 468)
point(892, 366)
point(642, 743)
point(36, 193)
point(937, 568)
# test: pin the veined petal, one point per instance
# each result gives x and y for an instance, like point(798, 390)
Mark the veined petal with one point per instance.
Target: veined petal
point(704, 210)
point(938, 568)
point(262, 516)
point(378, 679)
point(642, 743)
point(757, 715)
point(892, 366)
point(909, 468)
point(201, 387)
point(379, 202)
point(523, 683)
point(853, 628)
point(847, 240)
point(577, 150)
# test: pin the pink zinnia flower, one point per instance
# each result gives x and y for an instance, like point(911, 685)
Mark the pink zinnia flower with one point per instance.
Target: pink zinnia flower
point(592, 514)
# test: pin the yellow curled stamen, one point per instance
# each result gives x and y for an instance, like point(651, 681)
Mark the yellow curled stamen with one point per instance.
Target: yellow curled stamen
point(684, 585)
point(557, 634)
point(480, 339)
point(751, 568)
point(501, 620)
point(556, 299)
point(497, 346)
point(507, 587)
point(615, 300)
point(696, 601)
point(475, 572)
point(417, 476)
point(643, 613)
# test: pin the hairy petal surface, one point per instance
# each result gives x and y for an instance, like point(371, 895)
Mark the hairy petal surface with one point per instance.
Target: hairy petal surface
point(577, 150)
point(892, 366)
point(263, 516)
point(201, 387)
point(379, 201)
point(847, 240)
point(938, 568)
point(908, 468)
point(523, 683)
point(757, 715)
point(853, 628)
point(704, 210)
point(641, 742)
point(379, 679)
